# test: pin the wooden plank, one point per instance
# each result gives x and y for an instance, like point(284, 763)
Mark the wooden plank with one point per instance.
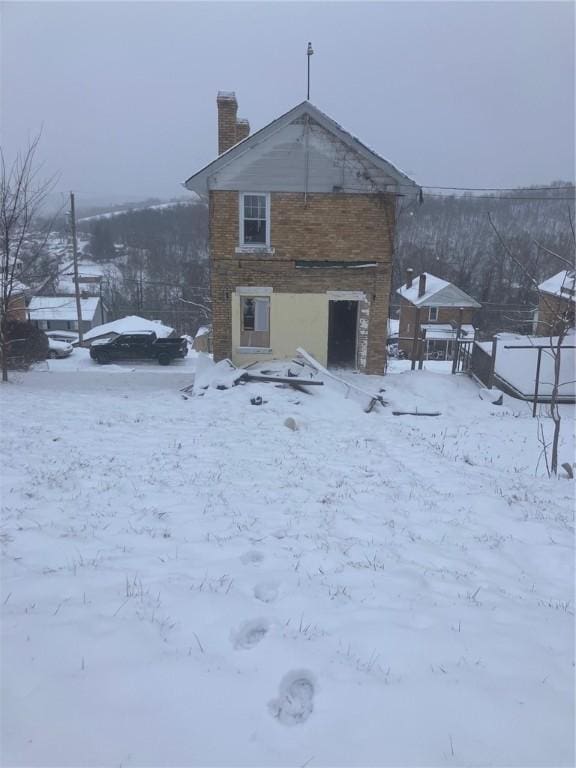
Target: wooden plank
point(369, 399)
point(281, 379)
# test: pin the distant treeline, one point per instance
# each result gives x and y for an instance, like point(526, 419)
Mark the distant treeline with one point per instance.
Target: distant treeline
point(162, 252)
point(452, 237)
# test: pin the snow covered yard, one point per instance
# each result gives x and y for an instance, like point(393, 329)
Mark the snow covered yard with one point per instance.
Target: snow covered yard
point(190, 582)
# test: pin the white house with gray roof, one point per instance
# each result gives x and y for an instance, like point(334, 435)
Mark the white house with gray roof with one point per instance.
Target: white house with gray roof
point(59, 313)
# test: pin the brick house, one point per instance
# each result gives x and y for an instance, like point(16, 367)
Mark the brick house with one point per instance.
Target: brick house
point(428, 303)
point(16, 309)
point(556, 297)
point(302, 219)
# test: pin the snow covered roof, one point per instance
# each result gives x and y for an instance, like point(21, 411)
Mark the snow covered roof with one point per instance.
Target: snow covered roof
point(438, 293)
point(130, 324)
point(561, 284)
point(87, 270)
point(62, 308)
point(198, 181)
point(18, 288)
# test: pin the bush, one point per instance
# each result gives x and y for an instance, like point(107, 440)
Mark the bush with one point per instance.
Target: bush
point(26, 344)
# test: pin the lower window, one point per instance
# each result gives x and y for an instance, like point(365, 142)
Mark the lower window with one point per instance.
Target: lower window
point(255, 321)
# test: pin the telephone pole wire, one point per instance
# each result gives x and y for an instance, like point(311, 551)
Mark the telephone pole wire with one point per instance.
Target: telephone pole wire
point(75, 257)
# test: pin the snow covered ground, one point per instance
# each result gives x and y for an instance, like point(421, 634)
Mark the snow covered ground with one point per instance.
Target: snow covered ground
point(189, 582)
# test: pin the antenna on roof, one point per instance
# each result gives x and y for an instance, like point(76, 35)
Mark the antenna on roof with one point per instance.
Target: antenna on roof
point(309, 53)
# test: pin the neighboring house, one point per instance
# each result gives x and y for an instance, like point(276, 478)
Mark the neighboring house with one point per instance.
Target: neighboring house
point(16, 309)
point(556, 298)
point(91, 276)
point(440, 308)
point(129, 324)
point(59, 313)
point(302, 219)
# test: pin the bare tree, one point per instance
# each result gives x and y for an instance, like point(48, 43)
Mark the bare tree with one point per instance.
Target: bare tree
point(22, 196)
point(558, 323)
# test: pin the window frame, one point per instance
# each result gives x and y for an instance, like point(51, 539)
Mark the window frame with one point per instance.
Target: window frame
point(253, 246)
point(249, 337)
point(435, 310)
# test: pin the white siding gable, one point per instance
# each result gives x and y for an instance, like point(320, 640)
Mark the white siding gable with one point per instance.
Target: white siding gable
point(301, 157)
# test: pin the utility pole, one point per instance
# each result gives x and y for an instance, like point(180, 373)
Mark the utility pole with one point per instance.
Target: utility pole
point(75, 257)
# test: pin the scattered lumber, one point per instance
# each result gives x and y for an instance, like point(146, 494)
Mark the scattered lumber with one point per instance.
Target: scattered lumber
point(416, 413)
point(291, 380)
point(225, 374)
point(368, 400)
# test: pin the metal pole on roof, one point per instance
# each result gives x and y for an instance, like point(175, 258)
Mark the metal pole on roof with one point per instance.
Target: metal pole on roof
point(309, 52)
point(75, 257)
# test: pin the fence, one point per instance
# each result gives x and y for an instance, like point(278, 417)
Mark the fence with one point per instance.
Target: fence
point(524, 371)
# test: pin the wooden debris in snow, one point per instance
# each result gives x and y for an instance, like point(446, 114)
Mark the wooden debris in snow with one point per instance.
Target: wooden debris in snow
point(368, 400)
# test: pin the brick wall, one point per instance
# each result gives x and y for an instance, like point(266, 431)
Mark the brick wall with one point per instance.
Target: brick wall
point(553, 312)
point(242, 129)
point(336, 227)
point(227, 109)
point(17, 309)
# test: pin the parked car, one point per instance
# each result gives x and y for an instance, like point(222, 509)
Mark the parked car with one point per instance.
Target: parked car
point(138, 346)
point(68, 336)
point(58, 348)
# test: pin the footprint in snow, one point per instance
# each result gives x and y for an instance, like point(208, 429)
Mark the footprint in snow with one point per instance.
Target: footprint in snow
point(252, 558)
point(250, 634)
point(266, 592)
point(295, 702)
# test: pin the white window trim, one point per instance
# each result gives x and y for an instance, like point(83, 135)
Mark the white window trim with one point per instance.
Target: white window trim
point(346, 296)
point(242, 290)
point(253, 246)
point(435, 310)
point(253, 350)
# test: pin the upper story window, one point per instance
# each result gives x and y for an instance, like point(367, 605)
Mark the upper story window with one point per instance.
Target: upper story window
point(433, 313)
point(254, 220)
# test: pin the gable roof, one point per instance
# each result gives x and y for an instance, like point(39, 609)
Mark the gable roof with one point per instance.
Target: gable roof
point(198, 182)
point(561, 285)
point(439, 293)
point(61, 308)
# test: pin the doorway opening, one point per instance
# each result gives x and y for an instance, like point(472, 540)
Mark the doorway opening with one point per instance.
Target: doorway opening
point(342, 333)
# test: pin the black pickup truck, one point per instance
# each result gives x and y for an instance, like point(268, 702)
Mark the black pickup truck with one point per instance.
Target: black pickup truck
point(138, 346)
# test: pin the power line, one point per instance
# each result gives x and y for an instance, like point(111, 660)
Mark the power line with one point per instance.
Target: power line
point(496, 189)
point(503, 197)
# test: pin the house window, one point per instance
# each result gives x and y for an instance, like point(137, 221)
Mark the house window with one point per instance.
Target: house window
point(255, 321)
point(254, 220)
point(433, 313)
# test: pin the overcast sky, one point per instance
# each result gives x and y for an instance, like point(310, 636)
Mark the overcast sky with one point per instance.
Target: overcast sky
point(454, 93)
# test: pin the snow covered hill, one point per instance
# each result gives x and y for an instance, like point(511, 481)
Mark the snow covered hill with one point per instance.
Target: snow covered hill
point(189, 582)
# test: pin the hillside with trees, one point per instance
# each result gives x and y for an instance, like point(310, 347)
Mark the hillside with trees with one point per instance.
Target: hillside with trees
point(161, 252)
point(452, 237)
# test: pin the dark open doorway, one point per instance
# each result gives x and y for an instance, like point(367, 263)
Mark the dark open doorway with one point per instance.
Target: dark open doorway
point(342, 330)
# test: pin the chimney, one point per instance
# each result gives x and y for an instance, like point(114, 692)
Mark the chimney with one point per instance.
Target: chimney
point(227, 108)
point(409, 276)
point(242, 129)
point(422, 285)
